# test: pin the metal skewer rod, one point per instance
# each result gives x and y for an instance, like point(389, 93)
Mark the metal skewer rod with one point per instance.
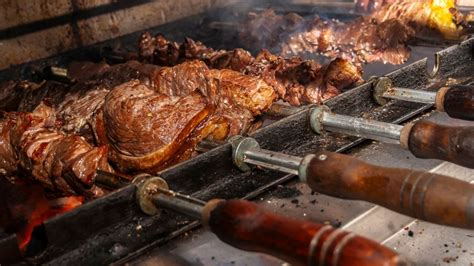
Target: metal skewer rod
point(345, 177)
point(324, 120)
point(183, 204)
point(456, 100)
point(281, 162)
point(384, 90)
point(247, 226)
point(423, 138)
point(404, 94)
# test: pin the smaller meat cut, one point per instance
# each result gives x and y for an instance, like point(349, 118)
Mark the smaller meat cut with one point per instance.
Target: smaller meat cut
point(382, 36)
point(294, 80)
point(360, 41)
point(31, 145)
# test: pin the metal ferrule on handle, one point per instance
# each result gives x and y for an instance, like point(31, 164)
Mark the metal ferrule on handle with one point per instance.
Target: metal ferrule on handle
point(322, 120)
point(153, 194)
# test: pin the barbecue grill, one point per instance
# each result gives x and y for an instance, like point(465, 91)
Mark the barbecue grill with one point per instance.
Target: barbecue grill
point(114, 228)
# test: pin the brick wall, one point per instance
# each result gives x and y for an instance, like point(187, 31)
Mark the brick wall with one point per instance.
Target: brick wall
point(32, 30)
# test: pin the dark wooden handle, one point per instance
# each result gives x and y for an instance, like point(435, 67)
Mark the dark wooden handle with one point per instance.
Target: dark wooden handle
point(453, 144)
point(457, 101)
point(247, 226)
point(423, 195)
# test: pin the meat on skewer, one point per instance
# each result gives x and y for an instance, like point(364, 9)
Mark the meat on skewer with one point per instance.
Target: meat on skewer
point(382, 36)
point(165, 115)
point(65, 164)
point(156, 118)
point(295, 80)
point(362, 40)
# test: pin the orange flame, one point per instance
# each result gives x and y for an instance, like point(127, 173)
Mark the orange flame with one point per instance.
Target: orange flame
point(45, 210)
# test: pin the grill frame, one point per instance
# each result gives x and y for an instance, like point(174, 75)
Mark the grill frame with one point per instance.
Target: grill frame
point(114, 235)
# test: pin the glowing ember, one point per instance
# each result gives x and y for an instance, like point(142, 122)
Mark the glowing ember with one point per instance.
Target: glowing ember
point(24, 206)
point(45, 210)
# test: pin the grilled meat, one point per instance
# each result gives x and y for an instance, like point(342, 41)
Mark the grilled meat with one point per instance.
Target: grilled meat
point(301, 82)
point(363, 40)
point(157, 118)
point(109, 75)
point(160, 51)
point(218, 85)
point(371, 5)
point(66, 164)
point(290, 78)
point(146, 129)
point(238, 98)
point(425, 17)
point(381, 36)
point(74, 104)
point(187, 102)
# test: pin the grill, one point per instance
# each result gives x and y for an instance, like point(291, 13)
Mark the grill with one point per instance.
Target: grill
point(114, 229)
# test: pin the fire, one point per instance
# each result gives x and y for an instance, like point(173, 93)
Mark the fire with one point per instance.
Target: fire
point(442, 19)
point(44, 210)
point(24, 206)
point(439, 15)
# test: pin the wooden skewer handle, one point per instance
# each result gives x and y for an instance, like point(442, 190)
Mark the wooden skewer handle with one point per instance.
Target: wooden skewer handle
point(247, 226)
point(457, 101)
point(423, 195)
point(426, 139)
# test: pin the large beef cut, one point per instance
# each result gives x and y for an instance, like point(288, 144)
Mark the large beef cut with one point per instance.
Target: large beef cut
point(146, 129)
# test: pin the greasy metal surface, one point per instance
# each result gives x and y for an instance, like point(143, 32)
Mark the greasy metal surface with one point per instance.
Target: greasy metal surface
point(421, 242)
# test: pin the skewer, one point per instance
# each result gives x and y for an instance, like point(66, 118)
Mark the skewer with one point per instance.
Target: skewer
point(413, 193)
point(247, 226)
point(456, 100)
point(282, 110)
point(423, 138)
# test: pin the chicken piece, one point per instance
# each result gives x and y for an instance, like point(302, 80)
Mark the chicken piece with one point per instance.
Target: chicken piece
point(301, 82)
